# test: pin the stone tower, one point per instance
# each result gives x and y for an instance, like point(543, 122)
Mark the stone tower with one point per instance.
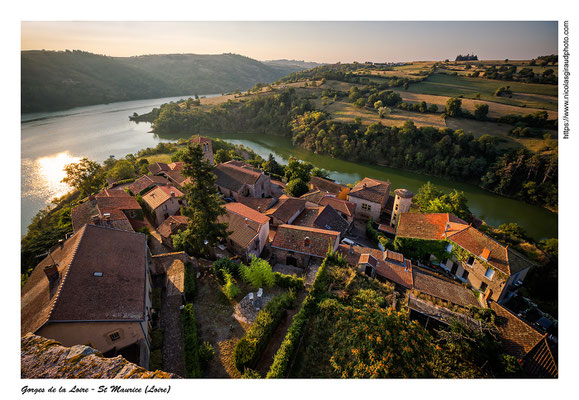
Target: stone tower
point(402, 202)
point(207, 148)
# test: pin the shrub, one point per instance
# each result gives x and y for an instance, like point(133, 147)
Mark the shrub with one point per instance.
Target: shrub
point(249, 349)
point(190, 285)
point(230, 289)
point(250, 374)
point(190, 343)
point(225, 265)
point(258, 273)
point(288, 281)
point(206, 354)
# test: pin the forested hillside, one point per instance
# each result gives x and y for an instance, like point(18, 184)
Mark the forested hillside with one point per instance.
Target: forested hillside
point(58, 80)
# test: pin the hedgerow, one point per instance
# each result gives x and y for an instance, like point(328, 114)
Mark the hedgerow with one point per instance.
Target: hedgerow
point(249, 349)
point(190, 284)
point(191, 343)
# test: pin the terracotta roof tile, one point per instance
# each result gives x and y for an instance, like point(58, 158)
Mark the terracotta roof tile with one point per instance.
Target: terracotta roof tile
point(477, 242)
point(243, 222)
point(541, 361)
point(437, 287)
point(233, 175)
point(286, 207)
point(258, 203)
point(172, 225)
point(342, 206)
point(313, 196)
point(145, 182)
point(78, 295)
point(113, 203)
point(200, 140)
point(247, 212)
point(517, 336)
point(159, 195)
point(428, 226)
point(326, 185)
point(292, 238)
point(371, 190)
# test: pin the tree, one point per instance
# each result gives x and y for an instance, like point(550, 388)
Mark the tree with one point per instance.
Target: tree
point(258, 273)
point(481, 111)
point(378, 104)
point(222, 156)
point(204, 206)
point(296, 188)
point(85, 176)
point(296, 169)
point(453, 107)
point(433, 108)
point(383, 112)
point(123, 169)
point(426, 194)
point(320, 173)
point(271, 166)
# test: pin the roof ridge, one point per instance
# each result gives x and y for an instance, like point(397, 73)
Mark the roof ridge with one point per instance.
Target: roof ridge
point(520, 319)
point(63, 280)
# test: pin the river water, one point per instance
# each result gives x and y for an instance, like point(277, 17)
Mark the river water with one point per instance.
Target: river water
point(52, 140)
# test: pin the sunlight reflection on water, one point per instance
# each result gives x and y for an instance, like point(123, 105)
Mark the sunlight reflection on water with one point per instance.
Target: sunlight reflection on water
point(48, 173)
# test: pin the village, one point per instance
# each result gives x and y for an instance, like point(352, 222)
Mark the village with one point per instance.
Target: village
point(109, 289)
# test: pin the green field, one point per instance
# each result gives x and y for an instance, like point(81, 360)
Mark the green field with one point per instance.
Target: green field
point(524, 94)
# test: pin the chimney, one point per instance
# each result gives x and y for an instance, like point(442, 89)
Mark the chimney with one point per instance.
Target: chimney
point(307, 241)
point(351, 250)
point(51, 272)
point(172, 193)
point(246, 222)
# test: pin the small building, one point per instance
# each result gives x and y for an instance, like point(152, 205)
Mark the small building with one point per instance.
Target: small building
point(382, 265)
point(442, 288)
point(370, 197)
point(171, 226)
point(237, 179)
point(327, 186)
point(495, 270)
point(110, 207)
point(163, 201)
point(249, 230)
point(298, 245)
point(93, 289)
point(171, 171)
point(259, 204)
point(147, 182)
point(345, 208)
point(402, 203)
point(286, 210)
point(534, 351)
point(206, 146)
point(323, 217)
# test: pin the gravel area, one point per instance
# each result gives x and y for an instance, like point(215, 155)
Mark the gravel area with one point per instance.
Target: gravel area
point(246, 312)
point(172, 335)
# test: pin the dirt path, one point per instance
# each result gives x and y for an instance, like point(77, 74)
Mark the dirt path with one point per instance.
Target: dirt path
point(278, 337)
point(173, 360)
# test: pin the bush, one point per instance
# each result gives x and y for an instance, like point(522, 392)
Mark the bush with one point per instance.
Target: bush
point(206, 354)
point(190, 285)
point(190, 343)
point(225, 265)
point(249, 349)
point(258, 273)
point(288, 281)
point(230, 289)
point(250, 374)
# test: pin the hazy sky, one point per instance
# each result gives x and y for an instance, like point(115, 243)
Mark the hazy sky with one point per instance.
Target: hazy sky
point(311, 41)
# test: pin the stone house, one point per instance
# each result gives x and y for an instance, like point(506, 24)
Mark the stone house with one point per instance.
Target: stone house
point(110, 207)
point(298, 245)
point(163, 201)
point(330, 187)
point(493, 269)
point(370, 197)
point(146, 183)
point(171, 171)
point(285, 210)
point(93, 289)
point(249, 230)
point(323, 217)
point(237, 179)
point(172, 225)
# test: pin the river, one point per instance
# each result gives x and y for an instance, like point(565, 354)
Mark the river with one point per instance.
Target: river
point(51, 140)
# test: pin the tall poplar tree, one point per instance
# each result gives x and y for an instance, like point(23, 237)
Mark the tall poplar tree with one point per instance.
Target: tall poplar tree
point(204, 206)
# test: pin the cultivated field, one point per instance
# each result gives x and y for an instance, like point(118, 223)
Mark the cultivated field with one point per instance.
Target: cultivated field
point(543, 96)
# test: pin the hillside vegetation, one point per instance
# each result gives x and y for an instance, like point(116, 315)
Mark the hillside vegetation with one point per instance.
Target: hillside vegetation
point(59, 80)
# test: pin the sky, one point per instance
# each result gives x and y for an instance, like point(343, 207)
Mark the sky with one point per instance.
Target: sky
point(325, 42)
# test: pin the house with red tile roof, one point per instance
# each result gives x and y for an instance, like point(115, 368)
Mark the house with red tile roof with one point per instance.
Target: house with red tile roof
point(486, 265)
point(286, 210)
point(94, 289)
point(171, 226)
point(249, 230)
point(328, 187)
point(370, 196)
point(298, 245)
point(163, 201)
point(237, 179)
point(382, 265)
point(206, 147)
point(146, 182)
point(171, 171)
point(323, 217)
point(533, 350)
point(109, 207)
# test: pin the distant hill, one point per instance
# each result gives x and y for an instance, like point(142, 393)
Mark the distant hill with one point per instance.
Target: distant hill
point(54, 80)
point(295, 65)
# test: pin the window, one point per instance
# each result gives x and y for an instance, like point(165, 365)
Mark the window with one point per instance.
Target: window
point(465, 275)
point(115, 336)
point(449, 248)
point(470, 260)
point(396, 207)
point(489, 274)
point(483, 287)
point(97, 274)
point(164, 207)
point(366, 207)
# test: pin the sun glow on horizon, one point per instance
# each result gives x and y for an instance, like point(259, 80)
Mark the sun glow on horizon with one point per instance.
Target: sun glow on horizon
point(51, 169)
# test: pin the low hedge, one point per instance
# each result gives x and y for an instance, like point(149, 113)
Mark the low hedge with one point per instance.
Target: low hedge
point(249, 349)
point(286, 352)
point(191, 343)
point(289, 281)
point(190, 284)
